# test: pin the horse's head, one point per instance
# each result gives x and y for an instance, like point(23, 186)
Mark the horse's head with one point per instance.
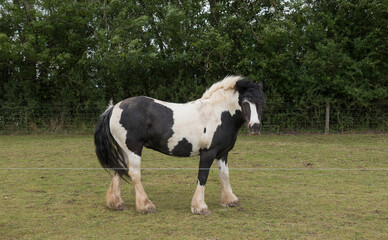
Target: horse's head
point(252, 101)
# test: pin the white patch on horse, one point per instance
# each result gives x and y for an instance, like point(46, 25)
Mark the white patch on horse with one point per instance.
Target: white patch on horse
point(184, 116)
point(254, 115)
point(223, 169)
point(117, 130)
point(190, 120)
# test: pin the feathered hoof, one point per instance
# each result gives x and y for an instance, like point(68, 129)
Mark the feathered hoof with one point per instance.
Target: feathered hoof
point(119, 206)
point(203, 211)
point(231, 204)
point(148, 208)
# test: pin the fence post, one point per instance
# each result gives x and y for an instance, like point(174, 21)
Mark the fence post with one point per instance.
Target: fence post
point(327, 118)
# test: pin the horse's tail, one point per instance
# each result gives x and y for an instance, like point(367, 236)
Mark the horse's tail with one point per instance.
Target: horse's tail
point(108, 152)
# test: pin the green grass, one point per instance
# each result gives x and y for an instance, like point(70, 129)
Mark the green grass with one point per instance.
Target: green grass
point(276, 203)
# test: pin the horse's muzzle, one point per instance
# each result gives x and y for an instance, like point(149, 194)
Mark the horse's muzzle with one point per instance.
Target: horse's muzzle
point(254, 128)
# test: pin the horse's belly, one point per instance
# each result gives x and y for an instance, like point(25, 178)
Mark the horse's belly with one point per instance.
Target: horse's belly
point(184, 145)
point(177, 151)
point(189, 143)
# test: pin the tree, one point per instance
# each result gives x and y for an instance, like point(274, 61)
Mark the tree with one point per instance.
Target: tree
point(83, 53)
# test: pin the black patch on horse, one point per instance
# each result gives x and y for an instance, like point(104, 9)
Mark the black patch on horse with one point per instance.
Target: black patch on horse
point(183, 148)
point(157, 130)
point(223, 141)
point(226, 133)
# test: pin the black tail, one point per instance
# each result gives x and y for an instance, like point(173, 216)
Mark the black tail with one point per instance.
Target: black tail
point(108, 151)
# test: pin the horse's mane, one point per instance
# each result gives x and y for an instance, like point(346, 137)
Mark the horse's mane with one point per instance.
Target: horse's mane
point(217, 90)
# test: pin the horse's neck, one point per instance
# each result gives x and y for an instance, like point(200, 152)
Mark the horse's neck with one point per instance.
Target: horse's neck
point(228, 102)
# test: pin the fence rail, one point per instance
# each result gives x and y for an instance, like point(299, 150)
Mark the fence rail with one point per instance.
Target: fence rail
point(281, 118)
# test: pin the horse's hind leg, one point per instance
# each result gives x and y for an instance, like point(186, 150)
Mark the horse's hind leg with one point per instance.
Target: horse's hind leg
point(143, 204)
point(113, 198)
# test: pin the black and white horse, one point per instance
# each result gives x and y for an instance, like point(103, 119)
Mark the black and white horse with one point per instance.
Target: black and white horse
point(207, 127)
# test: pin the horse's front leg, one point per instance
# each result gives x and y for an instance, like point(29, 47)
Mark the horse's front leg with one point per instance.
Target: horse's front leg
point(198, 205)
point(228, 199)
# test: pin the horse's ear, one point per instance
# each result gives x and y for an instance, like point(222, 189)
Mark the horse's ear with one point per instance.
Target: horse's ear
point(241, 86)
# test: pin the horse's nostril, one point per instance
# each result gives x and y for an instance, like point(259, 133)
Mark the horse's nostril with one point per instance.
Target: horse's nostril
point(255, 127)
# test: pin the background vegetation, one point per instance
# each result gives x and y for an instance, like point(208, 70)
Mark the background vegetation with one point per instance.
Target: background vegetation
point(66, 57)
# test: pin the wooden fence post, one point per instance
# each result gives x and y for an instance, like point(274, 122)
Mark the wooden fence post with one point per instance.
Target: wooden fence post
point(327, 118)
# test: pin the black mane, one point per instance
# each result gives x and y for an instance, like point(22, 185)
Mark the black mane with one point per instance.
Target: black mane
point(251, 91)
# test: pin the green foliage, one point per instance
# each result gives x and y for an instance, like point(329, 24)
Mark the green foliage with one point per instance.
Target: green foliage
point(77, 53)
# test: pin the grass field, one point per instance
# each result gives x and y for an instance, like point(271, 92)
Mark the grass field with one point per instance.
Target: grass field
point(320, 196)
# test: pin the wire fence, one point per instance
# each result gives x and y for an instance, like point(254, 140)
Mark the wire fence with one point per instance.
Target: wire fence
point(53, 119)
point(293, 119)
point(280, 118)
point(196, 169)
